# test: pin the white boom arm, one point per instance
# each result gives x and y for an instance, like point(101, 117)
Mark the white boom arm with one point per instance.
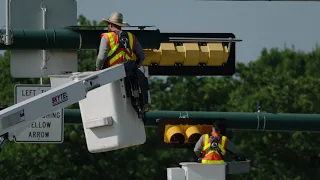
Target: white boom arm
point(24, 113)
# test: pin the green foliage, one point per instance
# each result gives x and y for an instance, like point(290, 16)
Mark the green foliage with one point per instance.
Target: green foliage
point(284, 80)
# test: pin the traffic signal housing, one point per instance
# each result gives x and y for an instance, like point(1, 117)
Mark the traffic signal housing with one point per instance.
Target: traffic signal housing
point(184, 132)
point(193, 54)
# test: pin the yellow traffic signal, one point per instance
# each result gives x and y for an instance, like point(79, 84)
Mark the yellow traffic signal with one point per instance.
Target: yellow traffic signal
point(184, 134)
point(193, 133)
point(174, 135)
point(184, 56)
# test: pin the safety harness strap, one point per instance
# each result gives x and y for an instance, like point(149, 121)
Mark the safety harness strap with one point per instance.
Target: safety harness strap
point(218, 148)
point(208, 147)
point(123, 45)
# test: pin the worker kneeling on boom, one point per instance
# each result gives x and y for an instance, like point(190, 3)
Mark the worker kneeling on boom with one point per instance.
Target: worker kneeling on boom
point(118, 46)
point(211, 148)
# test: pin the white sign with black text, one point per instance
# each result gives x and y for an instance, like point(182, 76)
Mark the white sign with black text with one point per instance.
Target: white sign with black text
point(47, 129)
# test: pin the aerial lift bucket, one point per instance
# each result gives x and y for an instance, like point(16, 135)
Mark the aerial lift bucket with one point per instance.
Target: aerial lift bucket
point(108, 117)
point(195, 171)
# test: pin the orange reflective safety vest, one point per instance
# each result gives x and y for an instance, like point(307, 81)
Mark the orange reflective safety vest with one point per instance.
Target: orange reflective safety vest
point(117, 53)
point(211, 156)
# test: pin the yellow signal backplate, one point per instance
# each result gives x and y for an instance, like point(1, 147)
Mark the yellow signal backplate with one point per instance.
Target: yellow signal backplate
point(184, 133)
point(187, 54)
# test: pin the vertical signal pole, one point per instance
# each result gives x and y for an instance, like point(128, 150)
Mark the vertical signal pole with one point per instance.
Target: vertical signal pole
point(44, 52)
point(7, 37)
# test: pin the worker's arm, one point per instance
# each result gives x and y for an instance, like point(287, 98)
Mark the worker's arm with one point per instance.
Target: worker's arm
point(138, 50)
point(198, 147)
point(103, 53)
point(230, 146)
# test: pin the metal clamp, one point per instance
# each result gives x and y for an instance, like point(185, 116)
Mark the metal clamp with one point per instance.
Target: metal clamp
point(6, 38)
point(229, 44)
point(264, 122)
point(184, 116)
point(258, 117)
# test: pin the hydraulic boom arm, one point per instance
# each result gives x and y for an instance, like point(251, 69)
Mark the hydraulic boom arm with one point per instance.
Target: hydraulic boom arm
point(20, 115)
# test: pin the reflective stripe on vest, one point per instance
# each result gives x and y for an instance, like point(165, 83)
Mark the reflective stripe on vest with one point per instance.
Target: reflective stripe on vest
point(212, 156)
point(116, 54)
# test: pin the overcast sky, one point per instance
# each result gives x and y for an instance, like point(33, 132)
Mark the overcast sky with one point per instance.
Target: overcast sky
point(258, 24)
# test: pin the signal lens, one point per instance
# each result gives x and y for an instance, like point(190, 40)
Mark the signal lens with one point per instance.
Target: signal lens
point(175, 135)
point(193, 134)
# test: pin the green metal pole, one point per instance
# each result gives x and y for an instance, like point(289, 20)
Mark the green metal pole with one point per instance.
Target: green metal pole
point(235, 120)
point(43, 39)
point(72, 116)
point(75, 38)
point(71, 39)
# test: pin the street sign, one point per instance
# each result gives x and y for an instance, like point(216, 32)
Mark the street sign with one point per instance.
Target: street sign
point(41, 15)
point(47, 129)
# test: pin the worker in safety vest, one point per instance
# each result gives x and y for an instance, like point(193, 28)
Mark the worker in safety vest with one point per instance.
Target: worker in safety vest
point(211, 148)
point(117, 46)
